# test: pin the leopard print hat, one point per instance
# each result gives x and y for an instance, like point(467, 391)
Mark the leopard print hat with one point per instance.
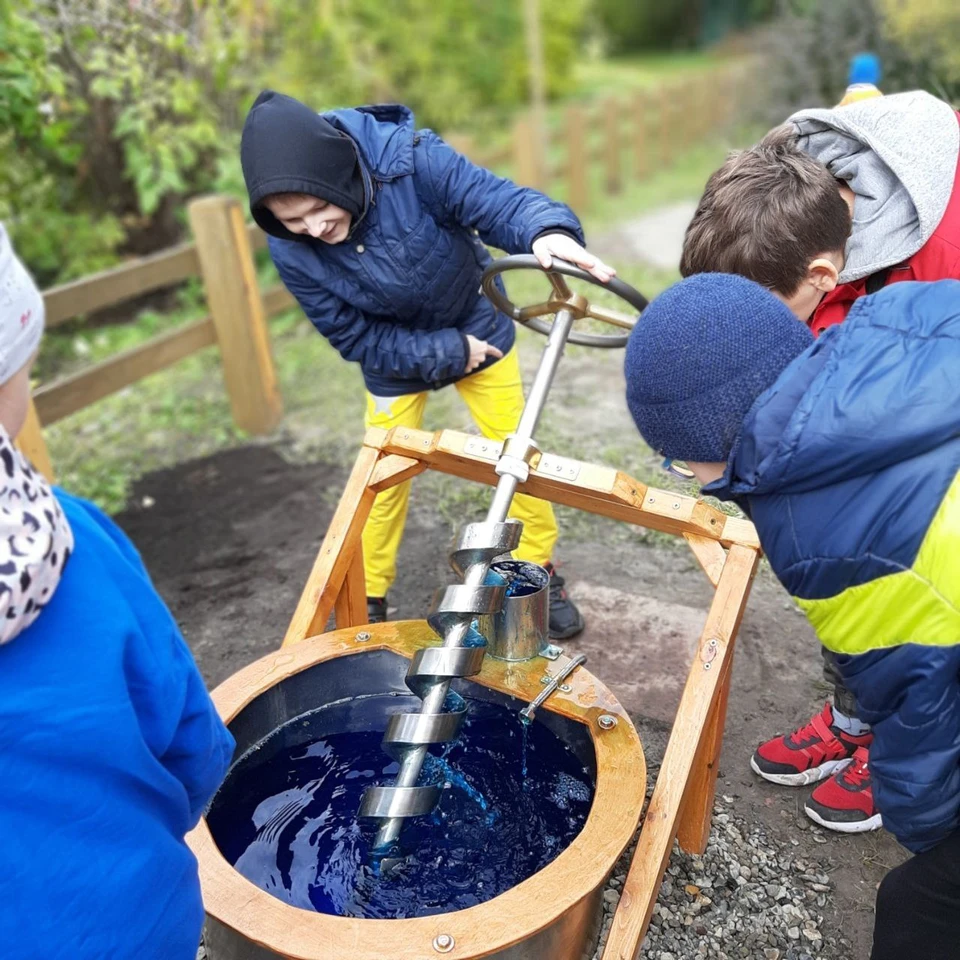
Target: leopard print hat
point(35, 538)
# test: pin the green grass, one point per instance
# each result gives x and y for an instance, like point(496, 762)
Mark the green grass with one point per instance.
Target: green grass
point(183, 412)
point(599, 77)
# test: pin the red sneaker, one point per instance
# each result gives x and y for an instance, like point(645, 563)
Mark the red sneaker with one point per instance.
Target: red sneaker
point(809, 754)
point(845, 801)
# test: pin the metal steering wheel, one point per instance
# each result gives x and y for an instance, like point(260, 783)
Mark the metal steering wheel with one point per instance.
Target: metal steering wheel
point(563, 298)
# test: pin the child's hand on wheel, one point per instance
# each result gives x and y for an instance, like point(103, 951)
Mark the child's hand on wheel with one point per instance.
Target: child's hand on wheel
point(479, 351)
point(566, 248)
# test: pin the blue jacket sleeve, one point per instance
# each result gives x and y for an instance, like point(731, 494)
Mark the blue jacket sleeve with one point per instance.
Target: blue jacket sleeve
point(201, 748)
point(911, 697)
point(379, 345)
point(460, 193)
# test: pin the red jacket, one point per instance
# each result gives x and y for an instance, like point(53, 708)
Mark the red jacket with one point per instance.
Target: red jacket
point(937, 259)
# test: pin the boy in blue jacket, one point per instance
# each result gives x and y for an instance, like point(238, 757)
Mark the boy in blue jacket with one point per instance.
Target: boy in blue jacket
point(845, 453)
point(378, 230)
point(110, 747)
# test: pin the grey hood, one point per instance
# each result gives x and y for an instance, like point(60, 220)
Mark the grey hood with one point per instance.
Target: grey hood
point(899, 156)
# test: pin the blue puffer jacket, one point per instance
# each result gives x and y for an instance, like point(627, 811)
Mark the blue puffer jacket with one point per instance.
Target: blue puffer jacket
point(110, 748)
point(848, 466)
point(399, 296)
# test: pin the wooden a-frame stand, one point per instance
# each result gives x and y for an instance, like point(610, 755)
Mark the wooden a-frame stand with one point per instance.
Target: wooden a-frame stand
point(726, 548)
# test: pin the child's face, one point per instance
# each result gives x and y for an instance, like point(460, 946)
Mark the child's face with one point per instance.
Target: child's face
point(310, 216)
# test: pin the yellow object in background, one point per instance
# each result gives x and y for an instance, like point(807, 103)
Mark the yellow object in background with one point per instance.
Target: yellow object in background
point(859, 91)
point(494, 397)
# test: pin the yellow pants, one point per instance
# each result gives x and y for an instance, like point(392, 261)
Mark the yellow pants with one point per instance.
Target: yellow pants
point(494, 397)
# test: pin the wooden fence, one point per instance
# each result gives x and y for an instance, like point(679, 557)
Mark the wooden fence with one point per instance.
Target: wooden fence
point(222, 255)
point(627, 137)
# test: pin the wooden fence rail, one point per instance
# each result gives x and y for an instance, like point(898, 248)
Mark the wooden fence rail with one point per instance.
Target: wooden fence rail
point(222, 255)
point(628, 139)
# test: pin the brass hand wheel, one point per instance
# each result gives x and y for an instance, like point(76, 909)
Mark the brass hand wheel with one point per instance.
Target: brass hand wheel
point(563, 298)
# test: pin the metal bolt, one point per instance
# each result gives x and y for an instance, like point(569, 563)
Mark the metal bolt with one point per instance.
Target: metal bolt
point(606, 721)
point(546, 678)
point(676, 505)
point(565, 687)
point(362, 636)
point(707, 666)
point(713, 642)
point(651, 499)
point(443, 943)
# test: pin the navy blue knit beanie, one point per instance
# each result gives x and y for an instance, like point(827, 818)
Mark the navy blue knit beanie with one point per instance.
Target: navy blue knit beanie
point(698, 358)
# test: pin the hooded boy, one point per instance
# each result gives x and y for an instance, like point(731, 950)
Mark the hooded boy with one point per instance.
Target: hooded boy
point(378, 230)
point(845, 453)
point(835, 204)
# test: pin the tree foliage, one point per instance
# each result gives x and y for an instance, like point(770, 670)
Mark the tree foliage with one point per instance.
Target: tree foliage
point(113, 112)
point(930, 30)
point(110, 112)
point(810, 45)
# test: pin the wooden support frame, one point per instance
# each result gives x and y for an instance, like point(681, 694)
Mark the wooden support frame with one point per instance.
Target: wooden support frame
point(726, 547)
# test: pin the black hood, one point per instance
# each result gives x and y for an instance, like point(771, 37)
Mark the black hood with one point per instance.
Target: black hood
point(287, 148)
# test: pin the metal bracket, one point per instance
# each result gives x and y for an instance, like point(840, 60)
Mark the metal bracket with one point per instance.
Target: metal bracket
point(562, 468)
point(553, 683)
point(546, 465)
point(483, 448)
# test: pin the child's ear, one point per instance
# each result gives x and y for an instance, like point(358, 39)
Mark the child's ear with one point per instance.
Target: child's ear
point(823, 274)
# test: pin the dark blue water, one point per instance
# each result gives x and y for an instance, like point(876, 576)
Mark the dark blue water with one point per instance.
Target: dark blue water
point(286, 814)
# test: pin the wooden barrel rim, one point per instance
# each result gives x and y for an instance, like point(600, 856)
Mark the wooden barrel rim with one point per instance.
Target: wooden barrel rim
point(510, 918)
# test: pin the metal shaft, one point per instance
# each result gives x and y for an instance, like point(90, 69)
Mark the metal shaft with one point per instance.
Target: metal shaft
point(434, 668)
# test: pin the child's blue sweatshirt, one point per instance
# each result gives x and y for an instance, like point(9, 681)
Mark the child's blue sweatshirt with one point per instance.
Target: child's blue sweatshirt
point(109, 750)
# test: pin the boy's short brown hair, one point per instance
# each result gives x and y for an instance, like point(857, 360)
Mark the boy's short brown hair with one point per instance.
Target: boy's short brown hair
point(766, 214)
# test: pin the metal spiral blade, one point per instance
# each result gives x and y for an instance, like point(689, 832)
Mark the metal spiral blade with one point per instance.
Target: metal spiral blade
point(409, 735)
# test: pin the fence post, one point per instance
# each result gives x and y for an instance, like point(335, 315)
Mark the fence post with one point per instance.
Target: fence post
point(230, 281)
point(613, 147)
point(690, 112)
point(641, 133)
point(527, 153)
point(577, 158)
point(665, 127)
point(32, 444)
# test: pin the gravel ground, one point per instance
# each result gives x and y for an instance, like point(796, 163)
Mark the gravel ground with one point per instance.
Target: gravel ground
point(747, 898)
point(750, 896)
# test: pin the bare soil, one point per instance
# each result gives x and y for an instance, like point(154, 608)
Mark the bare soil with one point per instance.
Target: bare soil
point(229, 541)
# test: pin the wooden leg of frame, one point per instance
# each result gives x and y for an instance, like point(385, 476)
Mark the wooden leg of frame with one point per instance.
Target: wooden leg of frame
point(694, 829)
point(690, 730)
point(336, 552)
point(351, 605)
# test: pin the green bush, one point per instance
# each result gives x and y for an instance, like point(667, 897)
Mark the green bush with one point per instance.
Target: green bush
point(114, 112)
point(111, 113)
